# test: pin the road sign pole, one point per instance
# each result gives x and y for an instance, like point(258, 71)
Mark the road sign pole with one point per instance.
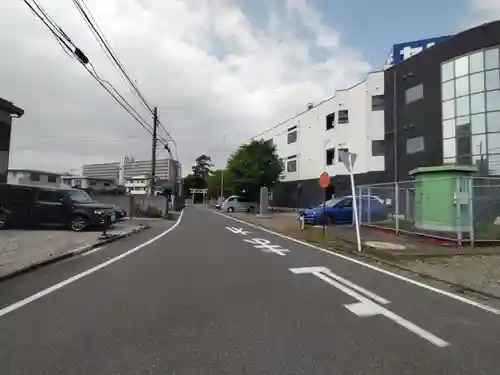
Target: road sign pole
point(349, 158)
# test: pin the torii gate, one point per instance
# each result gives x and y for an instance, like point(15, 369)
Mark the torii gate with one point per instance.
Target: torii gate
point(198, 191)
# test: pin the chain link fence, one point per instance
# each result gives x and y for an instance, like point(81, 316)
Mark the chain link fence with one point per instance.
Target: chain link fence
point(463, 209)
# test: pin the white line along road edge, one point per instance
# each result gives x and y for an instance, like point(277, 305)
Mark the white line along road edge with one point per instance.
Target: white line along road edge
point(53, 288)
point(375, 268)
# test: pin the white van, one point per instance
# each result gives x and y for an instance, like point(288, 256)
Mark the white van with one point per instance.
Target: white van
point(235, 203)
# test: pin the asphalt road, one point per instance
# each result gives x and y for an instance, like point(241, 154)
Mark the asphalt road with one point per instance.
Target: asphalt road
point(202, 299)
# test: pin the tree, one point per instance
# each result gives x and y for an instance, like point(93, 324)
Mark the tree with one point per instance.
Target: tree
point(192, 181)
point(203, 166)
point(214, 183)
point(253, 166)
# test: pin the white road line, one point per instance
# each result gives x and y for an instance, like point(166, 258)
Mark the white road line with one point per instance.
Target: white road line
point(370, 266)
point(366, 308)
point(329, 273)
point(53, 288)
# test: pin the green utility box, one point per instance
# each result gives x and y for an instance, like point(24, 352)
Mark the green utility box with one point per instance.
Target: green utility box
point(443, 198)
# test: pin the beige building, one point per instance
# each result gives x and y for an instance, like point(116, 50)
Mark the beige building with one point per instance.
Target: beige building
point(7, 111)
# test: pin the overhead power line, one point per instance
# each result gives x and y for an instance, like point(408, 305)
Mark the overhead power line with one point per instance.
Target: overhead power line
point(73, 51)
point(113, 57)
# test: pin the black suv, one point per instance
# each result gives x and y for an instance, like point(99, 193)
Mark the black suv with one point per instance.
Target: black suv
point(39, 206)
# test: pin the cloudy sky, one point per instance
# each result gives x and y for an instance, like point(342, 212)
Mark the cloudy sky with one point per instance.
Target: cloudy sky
point(211, 66)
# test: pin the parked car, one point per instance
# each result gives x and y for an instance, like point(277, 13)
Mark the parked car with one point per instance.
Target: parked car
point(120, 213)
point(46, 206)
point(236, 203)
point(340, 210)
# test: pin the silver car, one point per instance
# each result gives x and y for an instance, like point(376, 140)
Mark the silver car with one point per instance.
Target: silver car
point(236, 203)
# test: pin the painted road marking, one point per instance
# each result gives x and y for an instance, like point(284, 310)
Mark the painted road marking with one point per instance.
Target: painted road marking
point(62, 284)
point(238, 231)
point(372, 267)
point(366, 307)
point(326, 271)
point(266, 247)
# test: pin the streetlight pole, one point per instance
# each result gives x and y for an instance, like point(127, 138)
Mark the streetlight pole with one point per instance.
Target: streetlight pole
point(222, 172)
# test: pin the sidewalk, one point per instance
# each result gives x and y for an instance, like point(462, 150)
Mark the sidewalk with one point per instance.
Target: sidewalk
point(472, 269)
point(24, 250)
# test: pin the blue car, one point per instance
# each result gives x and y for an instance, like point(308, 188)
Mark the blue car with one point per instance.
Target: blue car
point(340, 211)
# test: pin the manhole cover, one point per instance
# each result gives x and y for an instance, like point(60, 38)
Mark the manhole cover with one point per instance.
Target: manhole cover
point(385, 245)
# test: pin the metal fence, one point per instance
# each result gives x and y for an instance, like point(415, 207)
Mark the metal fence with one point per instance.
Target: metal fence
point(464, 209)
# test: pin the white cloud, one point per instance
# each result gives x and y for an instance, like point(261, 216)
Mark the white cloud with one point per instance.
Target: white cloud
point(206, 64)
point(482, 11)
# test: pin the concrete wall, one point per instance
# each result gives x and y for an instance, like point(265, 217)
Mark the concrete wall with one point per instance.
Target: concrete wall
point(136, 206)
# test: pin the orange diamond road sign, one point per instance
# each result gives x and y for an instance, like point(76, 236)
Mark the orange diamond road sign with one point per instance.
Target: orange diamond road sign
point(324, 180)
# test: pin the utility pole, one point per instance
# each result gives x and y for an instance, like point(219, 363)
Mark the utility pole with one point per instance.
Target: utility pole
point(153, 153)
point(224, 167)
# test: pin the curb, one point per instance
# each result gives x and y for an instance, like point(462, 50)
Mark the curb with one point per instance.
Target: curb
point(350, 250)
point(70, 254)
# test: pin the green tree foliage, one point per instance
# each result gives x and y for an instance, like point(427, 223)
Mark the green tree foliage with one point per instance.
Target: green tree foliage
point(253, 166)
point(203, 166)
point(214, 183)
point(199, 178)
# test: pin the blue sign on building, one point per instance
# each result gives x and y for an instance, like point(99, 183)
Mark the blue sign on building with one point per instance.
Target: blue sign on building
point(403, 51)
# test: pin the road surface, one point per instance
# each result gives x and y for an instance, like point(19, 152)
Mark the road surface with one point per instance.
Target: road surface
point(212, 295)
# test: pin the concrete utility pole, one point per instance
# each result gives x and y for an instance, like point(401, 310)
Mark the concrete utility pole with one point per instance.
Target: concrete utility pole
point(153, 153)
point(222, 173)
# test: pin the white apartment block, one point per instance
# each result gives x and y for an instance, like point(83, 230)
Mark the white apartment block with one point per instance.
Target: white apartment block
point(351, 120)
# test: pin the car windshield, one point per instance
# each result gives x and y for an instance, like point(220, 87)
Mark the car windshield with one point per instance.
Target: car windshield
point(80, 196)
point(330, 202)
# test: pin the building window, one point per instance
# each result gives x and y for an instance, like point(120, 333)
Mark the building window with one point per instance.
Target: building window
point(34, 177)
point(414, 145)
point(330, 156)
point(378, 103)
point(470, 94)
point(269, 142)
point(414, 93)
point(291, 166)
point(330, 121)
point(292, 137)
point(343, 116)
point(378, 148)
point(52, 179)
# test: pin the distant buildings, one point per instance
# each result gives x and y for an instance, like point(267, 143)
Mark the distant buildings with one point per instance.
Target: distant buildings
point(128, 169)
point(137, 185)
point(93, 184)
point(33, 177)
point(7, 111)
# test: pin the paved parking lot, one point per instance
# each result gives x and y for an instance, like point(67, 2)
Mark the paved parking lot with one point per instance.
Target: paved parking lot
point(22, 248)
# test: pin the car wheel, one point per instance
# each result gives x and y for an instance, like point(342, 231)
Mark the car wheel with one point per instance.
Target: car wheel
point(251, 209)
point(3, 220)
point(330, 220)
point(78, 223)
point(230, 209)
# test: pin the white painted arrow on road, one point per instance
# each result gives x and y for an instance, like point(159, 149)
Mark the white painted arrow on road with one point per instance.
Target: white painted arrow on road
point(366, 307)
